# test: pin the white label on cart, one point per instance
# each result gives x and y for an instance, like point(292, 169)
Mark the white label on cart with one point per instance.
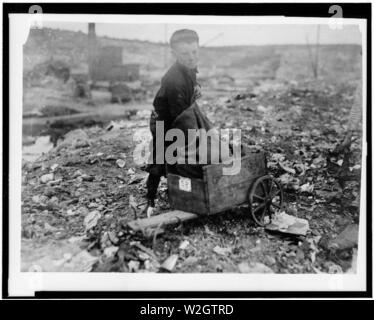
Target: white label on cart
point(185, 184)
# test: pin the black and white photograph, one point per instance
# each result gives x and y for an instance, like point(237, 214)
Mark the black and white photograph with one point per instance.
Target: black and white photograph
point(199, 147)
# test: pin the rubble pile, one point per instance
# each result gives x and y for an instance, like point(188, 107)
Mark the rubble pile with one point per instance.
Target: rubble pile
point(81, 194)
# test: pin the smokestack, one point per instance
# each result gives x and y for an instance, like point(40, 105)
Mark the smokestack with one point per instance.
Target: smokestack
point(91, 31)
point(92, 47)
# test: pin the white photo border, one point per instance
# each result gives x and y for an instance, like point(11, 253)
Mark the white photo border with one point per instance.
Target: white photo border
point(26, 284)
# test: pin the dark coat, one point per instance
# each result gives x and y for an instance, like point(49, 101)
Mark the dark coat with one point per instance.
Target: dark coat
point(178, 91)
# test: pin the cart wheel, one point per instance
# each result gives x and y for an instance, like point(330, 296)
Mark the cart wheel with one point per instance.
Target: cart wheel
point(265, 196)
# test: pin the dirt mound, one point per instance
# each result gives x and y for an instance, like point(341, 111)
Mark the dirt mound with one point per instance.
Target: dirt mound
point(53, 68)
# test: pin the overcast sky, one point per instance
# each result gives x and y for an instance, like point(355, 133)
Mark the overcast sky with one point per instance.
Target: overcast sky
point(223, 35)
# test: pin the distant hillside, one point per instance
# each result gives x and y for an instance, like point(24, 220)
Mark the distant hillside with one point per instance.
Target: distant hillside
point(285, 61)
point(72, 47)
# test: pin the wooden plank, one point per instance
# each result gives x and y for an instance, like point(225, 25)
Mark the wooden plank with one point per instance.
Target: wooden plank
point(34, 125)
point(227, 191)
point(171, 217)
point(191, 199)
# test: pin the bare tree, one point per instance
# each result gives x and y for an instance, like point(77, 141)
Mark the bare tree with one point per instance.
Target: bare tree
point(314, 56)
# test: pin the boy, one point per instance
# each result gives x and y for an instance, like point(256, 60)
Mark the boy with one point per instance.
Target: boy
point(178, 91)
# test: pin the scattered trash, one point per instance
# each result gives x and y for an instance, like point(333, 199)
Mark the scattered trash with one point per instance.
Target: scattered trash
point(152, 232)
point(184, 244)
point(143, 114)
point(289, 181)
point(278, 157)
point(68, 256)
point(334, 269)
point(262, 109)
point(35, 268)
point(81, 144)
point(307, 188)
point(83, 211)
point(133, 266)
point(347, 239)
point(112, 237)
point(253, 267)
point(76, 239)
point(287, 169)
point(121, 163)
point(54, 166)
point(74, 139)
point(133, 205)
point(151, 265)
point(170, 262)
point(113, 126)
point(208, 231)
point(76, 174)
point(91, 219)
point(285, 223)
point(82, 262)
point(47, 177)
point(49, 228)
point(110, 157)
point(145, 249)
point(143, 256)
point(54, 182)
point(270, 260)
point(136, 178)
point(70, 212)
point(327, 195)
point(356, 167)
point(57, 256)
point(283, 120)
point(40, 199)
point(109, 252)
point(41, 145)
point(222, 251)
point(86, 177)
point(353, 268)
point(104, 240)
point(316, 270)
point(300, 168)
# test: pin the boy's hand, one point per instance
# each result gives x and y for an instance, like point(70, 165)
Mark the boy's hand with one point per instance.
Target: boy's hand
point(149, 211)
point(197, 93)
point(149, 208)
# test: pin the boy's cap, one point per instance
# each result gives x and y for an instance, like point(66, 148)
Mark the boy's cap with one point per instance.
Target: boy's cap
point(183, 35)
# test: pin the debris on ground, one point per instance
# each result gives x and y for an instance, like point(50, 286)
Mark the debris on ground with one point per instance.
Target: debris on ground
point(169, 263)
point(91, 219)
point(254, 267)
point(221, 251)
point(347, 239)
point(56, 257)
point(184, 244)
point(81, 194)
point(285, 223)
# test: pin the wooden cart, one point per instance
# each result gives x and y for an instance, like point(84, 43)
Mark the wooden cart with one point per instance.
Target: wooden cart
point(215, 193)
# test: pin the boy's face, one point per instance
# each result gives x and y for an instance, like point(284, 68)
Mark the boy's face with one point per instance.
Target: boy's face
point(187, 54)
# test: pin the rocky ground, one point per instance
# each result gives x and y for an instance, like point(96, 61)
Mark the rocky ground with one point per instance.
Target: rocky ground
point(78, 198)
